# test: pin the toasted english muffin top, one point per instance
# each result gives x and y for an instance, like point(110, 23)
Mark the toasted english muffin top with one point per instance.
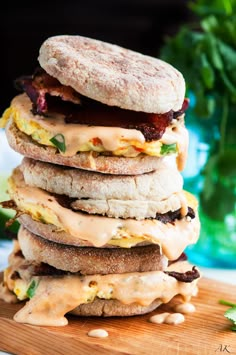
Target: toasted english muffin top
point(113, 75)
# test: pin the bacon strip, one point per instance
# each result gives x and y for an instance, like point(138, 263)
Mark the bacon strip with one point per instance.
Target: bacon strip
point(40, 85)
point(44, 269)
point(49, 95)
point(183, 108)
point(182, 257)
point(187, 276)
point(151, 125)
point(93, 113)
point(11, 205)
point(169, 217)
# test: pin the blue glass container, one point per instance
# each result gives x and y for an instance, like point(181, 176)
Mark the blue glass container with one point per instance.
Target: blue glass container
point(210, 175)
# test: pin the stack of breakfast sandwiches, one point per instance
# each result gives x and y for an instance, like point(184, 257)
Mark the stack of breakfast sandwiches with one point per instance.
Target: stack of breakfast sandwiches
point(104, 219)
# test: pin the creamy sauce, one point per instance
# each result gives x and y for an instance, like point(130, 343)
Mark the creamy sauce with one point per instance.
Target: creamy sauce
point(172, 238)
point(159, 318)
point(178, 134)
point(175, 318)
point(6, 295)
point(184, 204)
point(98, 333)
point(183, 142)
point(168, 318)
point(185, 308)
point(54, 297)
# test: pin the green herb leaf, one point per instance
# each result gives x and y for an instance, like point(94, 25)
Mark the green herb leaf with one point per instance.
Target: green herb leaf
point(230, 86)
point(168, 148)
point(228, 55)
point(213, 51)
point(209, 24)
point(205, 7)
point(226, 303)
point(207, 72)
point(59, 141)
point(212, 58)
point(230, 313)
point(31, 289)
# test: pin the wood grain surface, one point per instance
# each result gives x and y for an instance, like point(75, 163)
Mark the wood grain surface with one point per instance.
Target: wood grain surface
point(206, 331)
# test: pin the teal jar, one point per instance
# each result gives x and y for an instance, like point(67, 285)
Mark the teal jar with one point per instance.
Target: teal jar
point(210, 175)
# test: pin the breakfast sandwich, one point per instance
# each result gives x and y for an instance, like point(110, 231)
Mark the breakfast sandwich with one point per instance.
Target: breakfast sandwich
point(104, 219)
point(144, 281)
point(97, 106)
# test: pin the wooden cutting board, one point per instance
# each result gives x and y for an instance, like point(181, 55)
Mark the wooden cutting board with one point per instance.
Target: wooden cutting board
point(206, 331)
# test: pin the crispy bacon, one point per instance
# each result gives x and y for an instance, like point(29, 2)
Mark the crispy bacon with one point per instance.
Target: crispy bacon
point(182, 257)
point(49, 95)
point(15, 275)
point(94, 113)
point(169, 217)
point(40, 85)
point(44, 269)
point(19, 254)
point(152, 125)
point(183, 108)
point(187, 276)
point(12, 205)
point(64, 201)
point(9, 204)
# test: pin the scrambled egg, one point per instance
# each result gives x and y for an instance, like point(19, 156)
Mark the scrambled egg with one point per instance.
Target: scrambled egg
point(24, 289)
point(20, 289)
point(43, 133)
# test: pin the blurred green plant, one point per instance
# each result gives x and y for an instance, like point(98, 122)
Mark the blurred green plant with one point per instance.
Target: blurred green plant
point(204, 50)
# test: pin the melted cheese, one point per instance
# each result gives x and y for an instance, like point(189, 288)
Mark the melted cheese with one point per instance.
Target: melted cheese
point(56, 296)
point(78, 138)
point(99, 230)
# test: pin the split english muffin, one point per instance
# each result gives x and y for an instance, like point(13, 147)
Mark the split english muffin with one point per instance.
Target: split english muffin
point(171, 231)
point(127, 196)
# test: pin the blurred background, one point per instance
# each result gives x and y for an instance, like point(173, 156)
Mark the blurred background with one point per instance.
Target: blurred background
point(136, 24)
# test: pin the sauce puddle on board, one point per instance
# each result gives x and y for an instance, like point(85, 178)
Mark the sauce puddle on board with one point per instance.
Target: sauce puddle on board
point(167, 318)
point(174, 318)
point(185, 308)
point(98, 333)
